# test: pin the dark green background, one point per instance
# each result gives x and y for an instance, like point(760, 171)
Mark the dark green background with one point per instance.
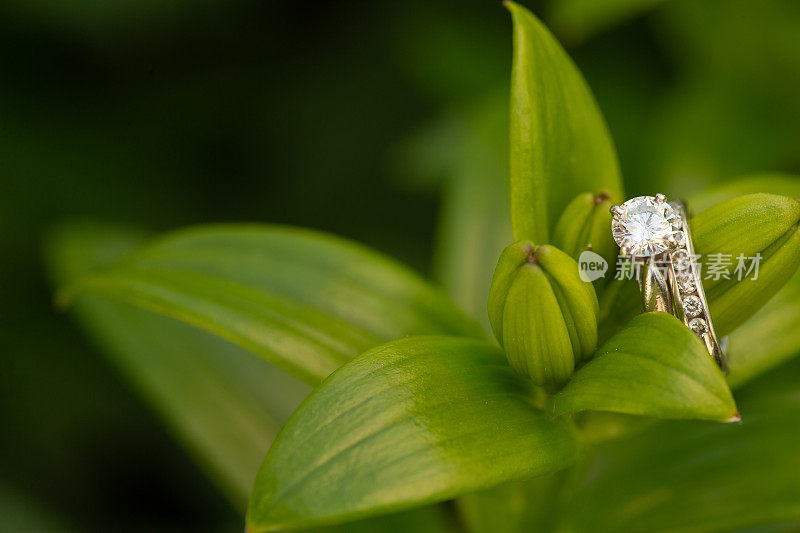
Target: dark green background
point(163, 114)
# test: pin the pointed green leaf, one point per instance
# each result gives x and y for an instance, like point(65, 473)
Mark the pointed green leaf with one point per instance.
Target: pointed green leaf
point(655, 366)
point(305, 301)
point(224, 404)
point(417, 420)
point(560, 145)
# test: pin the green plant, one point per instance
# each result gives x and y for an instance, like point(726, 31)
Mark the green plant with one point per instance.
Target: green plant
point(414, 404)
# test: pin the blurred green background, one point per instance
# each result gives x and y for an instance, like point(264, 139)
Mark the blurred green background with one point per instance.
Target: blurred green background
point(380, 121)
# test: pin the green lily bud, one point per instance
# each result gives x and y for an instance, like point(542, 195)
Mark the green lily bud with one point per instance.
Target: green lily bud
point(585, 225)
point(542, 313)
point(735, 237)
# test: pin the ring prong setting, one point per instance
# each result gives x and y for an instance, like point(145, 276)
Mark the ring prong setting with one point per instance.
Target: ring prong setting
point(672, 241)
point(660, 198)
point(616, 211)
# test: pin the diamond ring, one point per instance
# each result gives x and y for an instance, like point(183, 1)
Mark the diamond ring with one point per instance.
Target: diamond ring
point(655, 235)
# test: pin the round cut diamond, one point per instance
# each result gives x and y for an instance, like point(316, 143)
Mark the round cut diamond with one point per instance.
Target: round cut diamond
point(685, 282)
point(681, 260)
point(645, 227)
point(692, 306)
point(698, 325)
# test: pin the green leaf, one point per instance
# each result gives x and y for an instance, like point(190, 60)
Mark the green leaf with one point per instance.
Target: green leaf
point(560, 145)
point(655, 366)
point(304, 301)
point(694, 476)
point(223, 403)
point(417, 420)
point(764, 224)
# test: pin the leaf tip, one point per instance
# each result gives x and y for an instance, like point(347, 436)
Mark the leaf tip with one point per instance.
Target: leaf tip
point(601, 197)
point(735, 418)
point(511, 6)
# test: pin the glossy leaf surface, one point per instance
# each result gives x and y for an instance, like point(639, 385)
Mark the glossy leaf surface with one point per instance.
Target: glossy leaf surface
point(224, 404)
point(304, 301)
point(417, 420)
point(654, 366)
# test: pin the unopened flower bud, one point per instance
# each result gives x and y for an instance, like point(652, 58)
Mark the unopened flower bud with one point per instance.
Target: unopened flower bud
point(584, 225)
point(542, 313)
point(748, 249)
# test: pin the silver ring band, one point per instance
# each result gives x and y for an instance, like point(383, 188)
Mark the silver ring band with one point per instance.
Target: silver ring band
point(689, 297)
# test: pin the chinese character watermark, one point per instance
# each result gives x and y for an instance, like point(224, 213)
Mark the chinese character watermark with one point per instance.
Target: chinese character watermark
point(718, 266)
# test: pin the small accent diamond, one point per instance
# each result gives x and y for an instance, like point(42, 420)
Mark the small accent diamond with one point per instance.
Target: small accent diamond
point(698, 325)
point(685, 282)
point(692, 306)
point(681, 259)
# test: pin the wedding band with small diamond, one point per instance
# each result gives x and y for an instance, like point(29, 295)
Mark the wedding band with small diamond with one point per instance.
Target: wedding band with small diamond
point(649, 229)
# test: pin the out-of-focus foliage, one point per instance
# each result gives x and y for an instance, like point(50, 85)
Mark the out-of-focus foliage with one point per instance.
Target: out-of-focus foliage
point(578, 20)
point(692, 475)
point(221, 401)
point(160, 116)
